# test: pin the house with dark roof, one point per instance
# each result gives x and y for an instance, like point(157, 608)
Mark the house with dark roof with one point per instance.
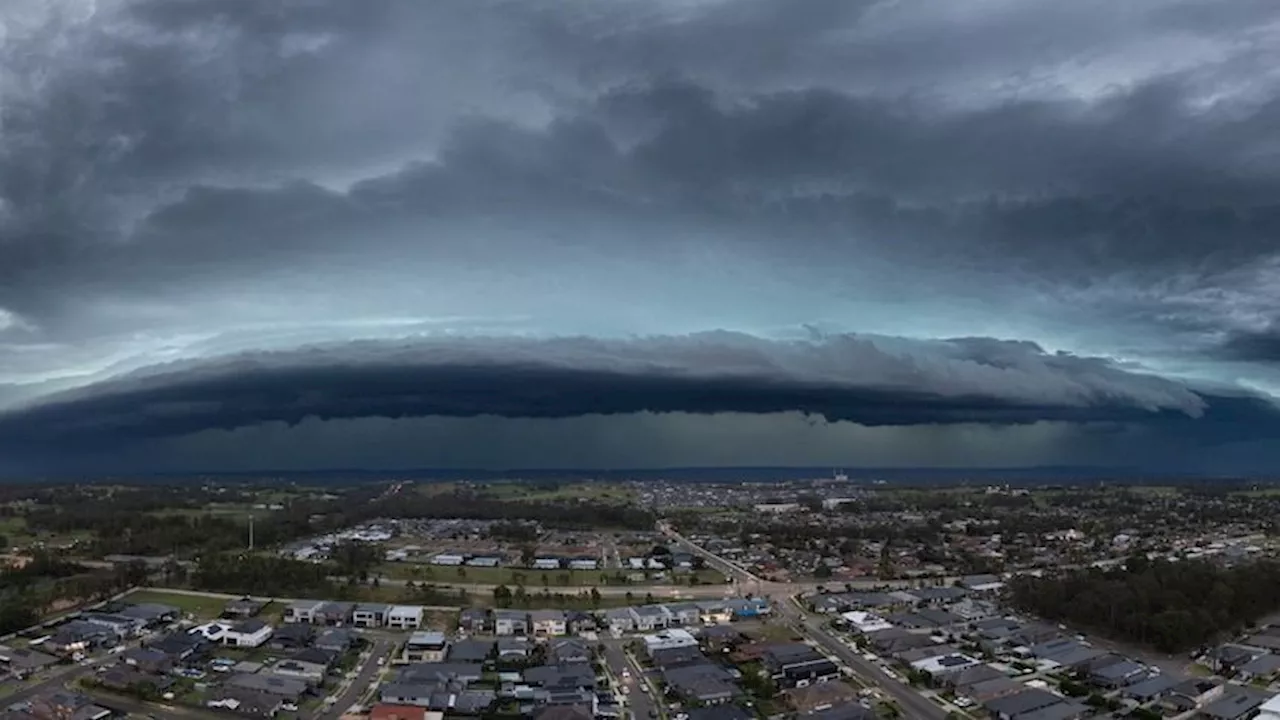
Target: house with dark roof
point(370, 615)
point(148, 660)
point(180, 647)
point(1150, 689)
point(1117, 674)
point(243, 608)
point(151, 614)
point(292, 637)
point(24, 661)
point(1019, 705)
point(569, 650)
point(471, 650)
point(1238, 703)
point(797, 664)
point(289, 689)
point(337, 639)
point(702, 683)
point(1193, 693)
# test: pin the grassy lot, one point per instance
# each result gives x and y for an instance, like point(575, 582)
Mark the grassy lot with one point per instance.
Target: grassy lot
point(199, 607)
point(603, 492)
point(530, 578)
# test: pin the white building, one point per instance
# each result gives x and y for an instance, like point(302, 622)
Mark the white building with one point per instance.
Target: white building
point(944, 665)
point(249, 633)
point(404, 617)
point(546, 564)
point(447, 559)
point(865, 622)
point(668, 639)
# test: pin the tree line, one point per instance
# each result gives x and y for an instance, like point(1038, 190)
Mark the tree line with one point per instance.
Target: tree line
point(1171, 606)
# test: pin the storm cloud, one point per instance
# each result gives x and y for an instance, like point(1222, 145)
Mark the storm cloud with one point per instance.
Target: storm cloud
point(224, 213)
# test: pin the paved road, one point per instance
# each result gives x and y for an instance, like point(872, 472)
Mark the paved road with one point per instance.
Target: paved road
point(641, 705)
point(913, 703)
point(639, 702)
point(358, 687)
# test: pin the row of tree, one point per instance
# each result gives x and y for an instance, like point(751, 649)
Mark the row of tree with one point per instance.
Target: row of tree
point(1171, 606)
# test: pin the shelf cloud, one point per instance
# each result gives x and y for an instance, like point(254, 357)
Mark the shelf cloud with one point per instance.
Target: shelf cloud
point(224, 213)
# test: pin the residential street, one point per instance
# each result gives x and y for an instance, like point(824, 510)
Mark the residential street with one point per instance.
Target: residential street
point(640, 704)
point(357, 688)
point(913, 703)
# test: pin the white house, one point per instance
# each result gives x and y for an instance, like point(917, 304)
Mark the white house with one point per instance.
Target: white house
point(668, 640)
point(549, 623)
point(714, 612)
point(404, 617)
point(650, 617)
point(510, 622)
point(584, 564)
point(447, 559)
point(249, 633)
point(865, 622)
point(937, 667)
point(546, 563)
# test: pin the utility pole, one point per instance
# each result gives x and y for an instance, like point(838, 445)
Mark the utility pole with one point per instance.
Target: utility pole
point(251, 532)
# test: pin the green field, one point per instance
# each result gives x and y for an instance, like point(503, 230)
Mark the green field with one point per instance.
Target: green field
point(530, 578)
point(602, 492)
point(200, 607)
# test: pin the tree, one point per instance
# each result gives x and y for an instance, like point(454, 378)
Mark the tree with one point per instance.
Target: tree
point(595, 598)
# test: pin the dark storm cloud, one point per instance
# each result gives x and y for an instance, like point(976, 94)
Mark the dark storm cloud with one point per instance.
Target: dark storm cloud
point(203, 92)
point(1248, 346)
point(867, 380)
point(168, 153)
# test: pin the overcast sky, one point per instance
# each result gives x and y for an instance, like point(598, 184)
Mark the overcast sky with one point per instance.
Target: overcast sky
point(238, 234)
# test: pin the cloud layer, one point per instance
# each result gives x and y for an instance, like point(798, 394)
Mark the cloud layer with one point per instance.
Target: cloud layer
point(189, 180)
point(870, 381)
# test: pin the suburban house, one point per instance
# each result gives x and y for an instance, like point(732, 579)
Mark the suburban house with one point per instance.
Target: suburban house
point(334, 613)
point(570, 650)
point(701, 683)
point(510, 622)
point(310, 665)
point(338, 640)
point(684, 613)
point(24, 661)
point(549, 623)
point(303, 611)
point(405, 617)
point(714, 613)
point(546, 563)
point(428, 647)
point(147, 660)
point(286, 688)
point(798, 665)
point(79, 635)
point(119, 624)
point(249, 633)
point(650, 617)
point(292, 637)
point(584, 563)
point(179, 646)
point(370, 615)
point(449, 559)
point(475, 620)
point(242, 608)
point(471, 650)
point(668, 639)
point(151, 614)
point(513, 648)
point(620, 620)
